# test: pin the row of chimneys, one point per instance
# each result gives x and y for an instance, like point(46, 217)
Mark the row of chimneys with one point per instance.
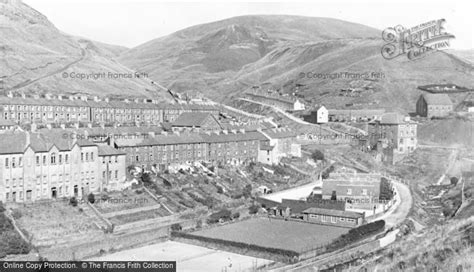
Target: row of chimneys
point(85, 98)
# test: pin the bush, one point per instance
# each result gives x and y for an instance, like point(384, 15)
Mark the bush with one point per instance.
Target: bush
point(91, 198)
point(73, 201)
point(357, 234)
point(199, 224)
point(176, 227)
point(2, 208)
point(220, 190)
point(253, 209)
point(247, 192)
point(236, 215)
point(386, 192)
point(454, 181)
point(223, 214)
point(317, 155)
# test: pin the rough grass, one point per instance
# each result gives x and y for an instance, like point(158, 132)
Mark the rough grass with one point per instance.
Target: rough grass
point(446, 248)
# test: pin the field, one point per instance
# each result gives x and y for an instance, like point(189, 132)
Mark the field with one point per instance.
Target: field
point(275, 233)
point(188, 257)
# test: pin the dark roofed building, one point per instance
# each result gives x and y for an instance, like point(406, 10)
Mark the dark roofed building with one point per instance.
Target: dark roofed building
point(333, 217)
point(434, 105)
point(197, 121)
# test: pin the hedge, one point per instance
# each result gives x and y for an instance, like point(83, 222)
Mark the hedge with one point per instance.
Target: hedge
point(356, 234)
point(279, 251)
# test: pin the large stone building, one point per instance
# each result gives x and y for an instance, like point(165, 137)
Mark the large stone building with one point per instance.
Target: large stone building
point(393, 131)
point(356, 187)
point(36, 166)
point(434, 105)
point(280, 143)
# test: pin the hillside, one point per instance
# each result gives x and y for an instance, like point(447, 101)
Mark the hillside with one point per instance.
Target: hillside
point(453, 132)
point(224, 58)
point(35, 54)
point(442, 248)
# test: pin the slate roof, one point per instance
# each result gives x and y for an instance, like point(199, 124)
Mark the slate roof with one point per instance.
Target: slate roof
point(279, 133)
point(392, 118)
point(105, 150)
point(437, 99)
point(16, 142)
point(333, 212)
point(192, 119)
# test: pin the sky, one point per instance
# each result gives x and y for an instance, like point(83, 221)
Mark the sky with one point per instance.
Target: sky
point(133, 22)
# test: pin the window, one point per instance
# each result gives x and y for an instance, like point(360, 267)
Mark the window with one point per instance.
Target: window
point(349, 191)
point(37, 160)
point(53, 158)
point(82, 156)
point(7, 183)
point(116, 159)
point(116, 174)
point(87, 156)
point(44, 159)
point(13, 163)
point(60, 157)
point(92, 156)
point(66, 158)
point(20, 161)
point(7, 164)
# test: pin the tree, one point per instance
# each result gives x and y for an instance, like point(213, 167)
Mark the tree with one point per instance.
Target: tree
point(317, 155)
point(91, 198)
point(247, 192)
point(333, 195)
point(454, 181)
point(2, 208)
point(73, 201)
point(253, 209)
point(176, 227)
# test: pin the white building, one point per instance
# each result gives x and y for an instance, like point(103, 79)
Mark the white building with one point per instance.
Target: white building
point(322, 115)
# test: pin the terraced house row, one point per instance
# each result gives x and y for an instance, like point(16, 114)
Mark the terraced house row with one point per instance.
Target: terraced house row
point(217, 147)
point(59, 109)
point(35, 166)
point(53, 163)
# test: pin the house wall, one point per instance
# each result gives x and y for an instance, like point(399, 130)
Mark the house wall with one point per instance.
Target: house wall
point(333, 220)
point(33, 181)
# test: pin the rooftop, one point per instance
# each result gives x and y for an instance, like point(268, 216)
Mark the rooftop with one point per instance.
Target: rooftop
point(333, 212)
point(437, 99)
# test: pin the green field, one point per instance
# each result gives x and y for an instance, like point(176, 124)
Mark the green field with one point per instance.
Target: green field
point(275, 233)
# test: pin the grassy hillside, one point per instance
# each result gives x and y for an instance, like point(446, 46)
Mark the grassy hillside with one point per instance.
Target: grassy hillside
point(35, 54)
point(224, 58)
point(449, 132)
point(443, 248)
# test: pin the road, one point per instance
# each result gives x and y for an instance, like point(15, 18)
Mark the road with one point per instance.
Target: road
point(290, 116)
point(29, 82)
point(396, 216)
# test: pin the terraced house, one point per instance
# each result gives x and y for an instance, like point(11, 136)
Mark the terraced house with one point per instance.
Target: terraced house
point(167, 150)
point(81, 109)
point(36, 166)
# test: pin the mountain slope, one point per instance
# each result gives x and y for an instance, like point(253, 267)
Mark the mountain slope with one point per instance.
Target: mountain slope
point(201, 57)
point(35, 55)
point(224, 58)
